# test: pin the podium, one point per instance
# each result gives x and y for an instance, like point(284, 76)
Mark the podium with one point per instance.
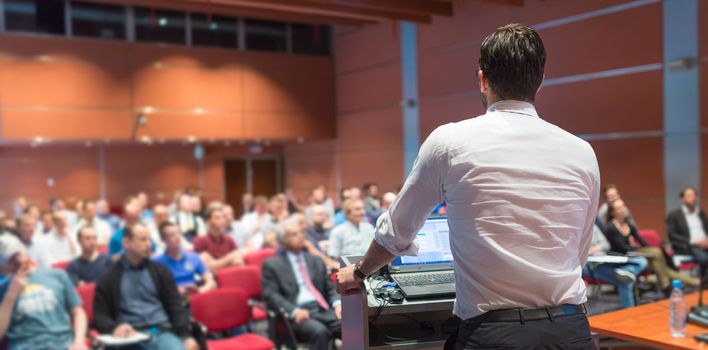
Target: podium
point(419, 324)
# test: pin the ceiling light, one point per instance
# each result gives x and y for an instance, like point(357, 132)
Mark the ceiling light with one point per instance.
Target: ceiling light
point(162, 21)
point(191, 139)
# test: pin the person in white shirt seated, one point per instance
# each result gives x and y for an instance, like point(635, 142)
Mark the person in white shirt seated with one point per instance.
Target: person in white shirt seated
point(88, 218)
point(253, 222)
point(59, 245)
point(36, 250)
point(353, 236)
point(47, 220)
point(190, 224)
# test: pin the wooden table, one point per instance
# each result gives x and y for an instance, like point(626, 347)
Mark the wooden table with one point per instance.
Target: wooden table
point(649, 325)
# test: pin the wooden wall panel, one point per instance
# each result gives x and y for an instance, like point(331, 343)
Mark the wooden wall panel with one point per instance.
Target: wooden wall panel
point(368, 46)
point(180, 126)
point(311, 164)
point(633, 38)
point(438, 111)
point(624, 103)
point(371, 130)
point(376, 87)
point(384, 167)
point(65, 124)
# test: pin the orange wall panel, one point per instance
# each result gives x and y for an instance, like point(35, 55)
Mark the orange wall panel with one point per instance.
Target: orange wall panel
point(438, 111)
point(368, 46)
point(703, 90)
point(182, 125)
point(376, 87)
point(311, 164)
point(629, 38)
point(384, 167)
point(65, 124)
point(623, 103)
point(371, 130)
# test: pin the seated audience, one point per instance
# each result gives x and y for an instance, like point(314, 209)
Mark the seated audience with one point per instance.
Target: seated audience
point(622, 276)
point(47, 219)
point(60, 245)
point(189, 222)
point(296, 282)
point(131, 216)
point(89, 218)
point(138, 295)
point(146, 215)
point(161, 215)
point(687, 227)
point(103, 212)
point(189, 271)
point(317, 232)
point(216, 249)
point(354, 236)
point(36, 249)
point(372, 202)
point(71, 215)
point(318, 196)
point(386, 201)
point(253, 222)
point(40, 308)
point(91, 264)
point(611, 194)
point(618, 233)
point(246, 204)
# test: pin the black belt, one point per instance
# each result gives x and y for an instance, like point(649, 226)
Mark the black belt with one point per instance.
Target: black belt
point(523, 315)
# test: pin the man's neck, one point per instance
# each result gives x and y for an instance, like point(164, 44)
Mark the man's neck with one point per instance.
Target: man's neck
point(133, 261)
point(691, 209)
point(89, 255)
point(354, 222)
point(215, 235)
point(175, 253)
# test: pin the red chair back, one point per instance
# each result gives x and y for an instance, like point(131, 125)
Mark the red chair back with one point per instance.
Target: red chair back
point(258, 257)
point(61, 265)
point(221, 309)
point(651, 237)
point(247, 278)
point(86, 293)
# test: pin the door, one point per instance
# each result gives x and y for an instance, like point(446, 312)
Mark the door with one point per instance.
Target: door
point(260, 176)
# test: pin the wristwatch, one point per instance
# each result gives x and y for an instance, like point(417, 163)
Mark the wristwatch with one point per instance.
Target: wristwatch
point(358, 272)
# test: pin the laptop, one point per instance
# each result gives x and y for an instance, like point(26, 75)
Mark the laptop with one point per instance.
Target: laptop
point(430, 274)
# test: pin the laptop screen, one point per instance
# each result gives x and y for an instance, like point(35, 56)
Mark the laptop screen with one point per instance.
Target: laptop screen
point(434, 246)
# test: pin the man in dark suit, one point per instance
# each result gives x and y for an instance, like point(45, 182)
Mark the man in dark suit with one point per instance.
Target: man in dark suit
point(687, 227)
point(296, 282)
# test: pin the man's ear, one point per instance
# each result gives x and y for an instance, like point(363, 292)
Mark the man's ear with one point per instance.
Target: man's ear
point(541, 86)
point(483, 82)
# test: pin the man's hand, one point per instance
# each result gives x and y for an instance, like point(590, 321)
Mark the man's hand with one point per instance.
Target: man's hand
point(78, 345)
point(19, 282)
point(301, 316)
point(338, 311)
point(190, 344)
point(123, 330)
point(236, 258)
point(703, 244)
point(347, 282)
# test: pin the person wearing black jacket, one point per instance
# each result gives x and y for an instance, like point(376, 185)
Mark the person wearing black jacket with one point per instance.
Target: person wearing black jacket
point(618, 232)
point(296, 283)
point(138, 295)
point(687, 227)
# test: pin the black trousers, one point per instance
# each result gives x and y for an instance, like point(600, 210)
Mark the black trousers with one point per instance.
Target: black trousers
point(322, 326)
point(565, 332)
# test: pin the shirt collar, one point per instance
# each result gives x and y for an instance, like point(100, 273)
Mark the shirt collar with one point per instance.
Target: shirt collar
point(688, 212)
point(126, 265)
point(513, 106)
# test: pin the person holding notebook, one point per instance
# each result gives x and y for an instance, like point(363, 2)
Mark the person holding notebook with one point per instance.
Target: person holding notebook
point(521, 197)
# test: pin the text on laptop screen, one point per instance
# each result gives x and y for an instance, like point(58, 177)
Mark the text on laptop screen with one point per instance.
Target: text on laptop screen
point(434, 245)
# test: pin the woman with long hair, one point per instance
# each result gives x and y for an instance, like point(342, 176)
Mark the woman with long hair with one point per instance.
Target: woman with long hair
point(619, 231)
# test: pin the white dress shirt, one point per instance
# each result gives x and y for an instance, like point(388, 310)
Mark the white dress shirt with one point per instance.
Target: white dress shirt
point(349, 239)
point(521, 194)
point(695, 226)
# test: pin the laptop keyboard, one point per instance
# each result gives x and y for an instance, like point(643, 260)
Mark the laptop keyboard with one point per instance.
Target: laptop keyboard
point(404, 280)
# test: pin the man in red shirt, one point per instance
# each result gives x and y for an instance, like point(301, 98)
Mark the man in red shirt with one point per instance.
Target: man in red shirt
point(216, 249)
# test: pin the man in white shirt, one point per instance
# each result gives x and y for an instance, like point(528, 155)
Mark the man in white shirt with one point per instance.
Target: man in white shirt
point(89, 218)
point(522, 197)
point(190, 224)
point(36, 249)
point(687, 227)
point(59, 245)
point(353, 236)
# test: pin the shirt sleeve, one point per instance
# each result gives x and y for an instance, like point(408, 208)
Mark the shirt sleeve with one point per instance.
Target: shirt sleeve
point(594, 190)
point(334, 243)
point(72, 298)
point(199, 244)
point(422, 191)
point(199, 265)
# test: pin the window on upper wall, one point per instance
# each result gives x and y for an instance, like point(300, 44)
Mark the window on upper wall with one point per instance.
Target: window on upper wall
point(218, 31)
point(162, 26)
point(39, 16)
point(97, 20)
point(310, 39)
point(266, 35)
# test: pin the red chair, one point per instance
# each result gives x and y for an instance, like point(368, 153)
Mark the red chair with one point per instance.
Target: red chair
point(248, 279)
point(258, 257)
point(61, 265)
point(225, 309)
point(651, 237)
point(86, 293)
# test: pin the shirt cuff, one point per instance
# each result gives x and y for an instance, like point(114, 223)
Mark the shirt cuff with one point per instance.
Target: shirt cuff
point(387, 238)
point(335, 303)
